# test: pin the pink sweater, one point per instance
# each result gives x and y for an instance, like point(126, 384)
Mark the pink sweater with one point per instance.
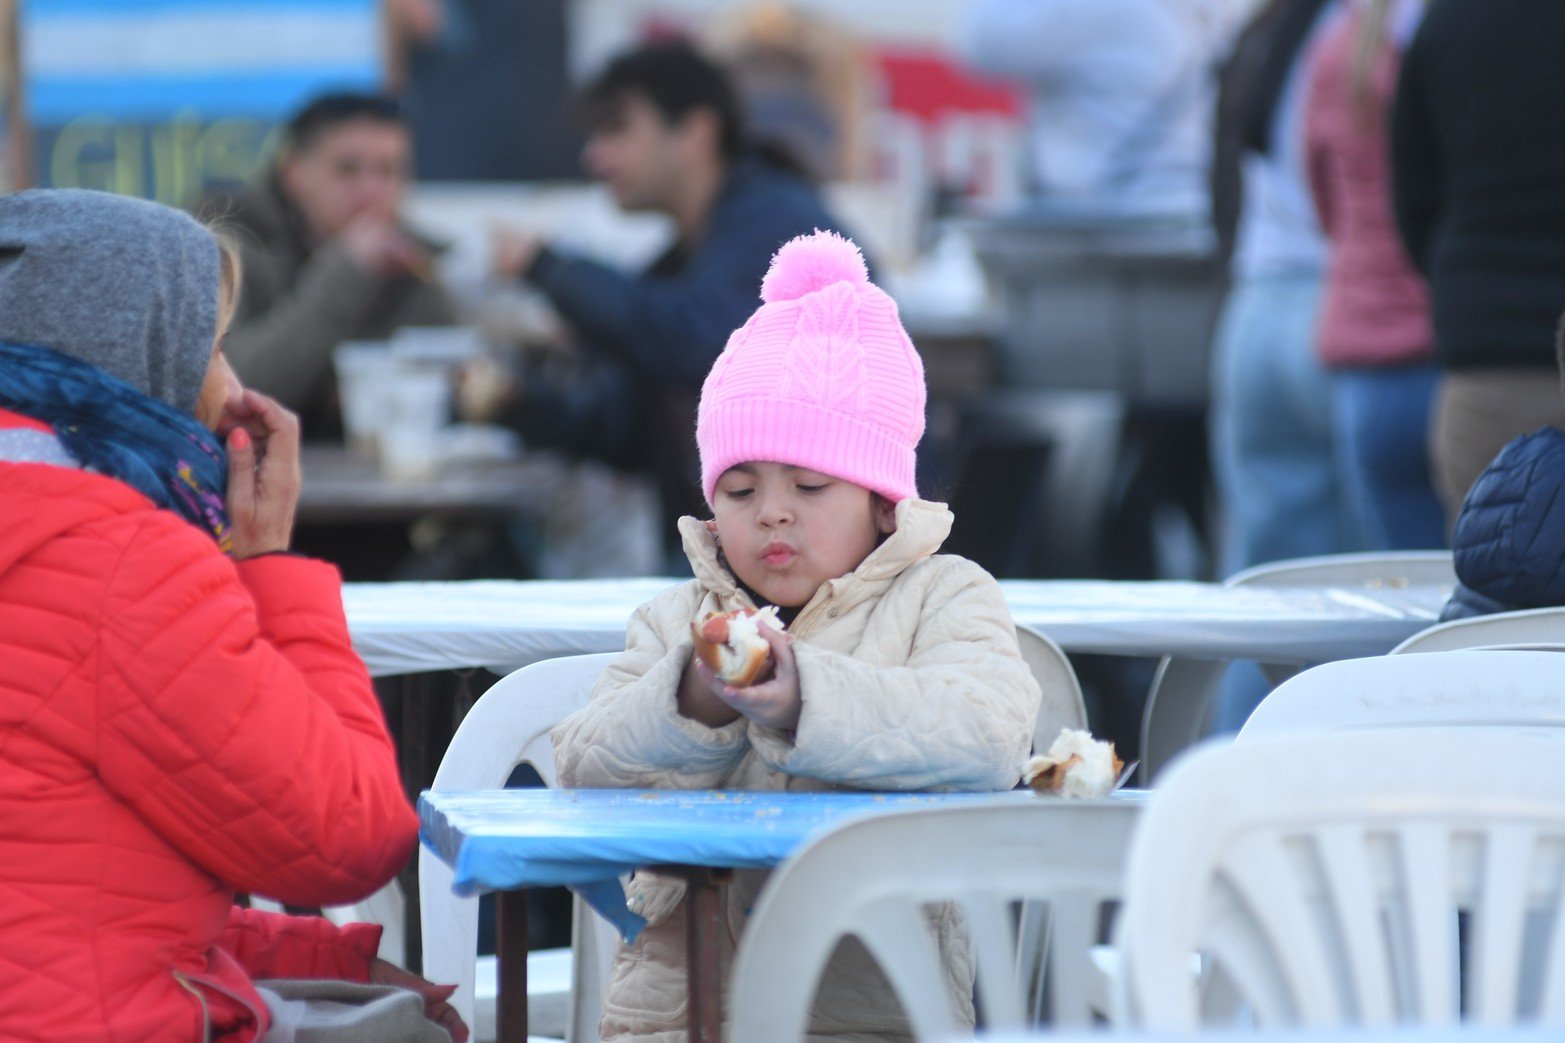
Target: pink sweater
point(1376, 307)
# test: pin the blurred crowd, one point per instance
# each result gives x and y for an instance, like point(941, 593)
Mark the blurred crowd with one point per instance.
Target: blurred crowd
point(1374, 179)
point(1367, 191)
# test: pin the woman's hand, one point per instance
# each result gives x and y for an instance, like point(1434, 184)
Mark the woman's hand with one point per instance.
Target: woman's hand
point(437, 1006)
point(263, 473)
point(775, 702)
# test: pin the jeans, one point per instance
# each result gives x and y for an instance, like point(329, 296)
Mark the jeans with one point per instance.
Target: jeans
point(1276, 473)
point(1272, 458)
point(1382, 425)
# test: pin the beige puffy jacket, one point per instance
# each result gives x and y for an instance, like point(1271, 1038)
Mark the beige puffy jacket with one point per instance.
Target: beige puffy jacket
point(911, 680)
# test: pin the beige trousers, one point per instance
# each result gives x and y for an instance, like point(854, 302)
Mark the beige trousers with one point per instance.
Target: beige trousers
point(1477, 411)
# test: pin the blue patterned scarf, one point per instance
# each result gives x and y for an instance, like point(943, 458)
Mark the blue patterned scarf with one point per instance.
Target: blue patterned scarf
point(113, 429)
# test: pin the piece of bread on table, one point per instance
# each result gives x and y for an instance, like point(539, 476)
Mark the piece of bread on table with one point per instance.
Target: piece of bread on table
point(1077, 765)
point(731, 643)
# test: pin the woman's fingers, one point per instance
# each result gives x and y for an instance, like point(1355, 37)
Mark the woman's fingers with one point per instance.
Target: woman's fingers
point(264, 475)
point(447, 1018)
point(241, 476)
point(280, 456)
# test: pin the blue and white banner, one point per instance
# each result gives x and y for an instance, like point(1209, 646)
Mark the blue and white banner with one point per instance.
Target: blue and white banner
point(144, 61)
point(168, 99)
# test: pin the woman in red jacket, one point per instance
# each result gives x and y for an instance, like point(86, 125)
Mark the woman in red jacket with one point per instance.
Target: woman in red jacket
point(181, 714)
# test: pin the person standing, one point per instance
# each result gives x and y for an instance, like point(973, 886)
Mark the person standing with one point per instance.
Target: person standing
point(1120, 96)
point(1374, 329)
point(1271, 429)
point(1477, 165)
point(1279, 492)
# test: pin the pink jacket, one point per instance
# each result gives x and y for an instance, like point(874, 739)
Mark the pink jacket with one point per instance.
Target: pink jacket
point(1376, 307)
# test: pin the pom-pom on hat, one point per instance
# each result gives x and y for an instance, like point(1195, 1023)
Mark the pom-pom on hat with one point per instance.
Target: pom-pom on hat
point(823, 376)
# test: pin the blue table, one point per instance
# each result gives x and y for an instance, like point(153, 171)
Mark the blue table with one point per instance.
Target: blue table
point(507, 840)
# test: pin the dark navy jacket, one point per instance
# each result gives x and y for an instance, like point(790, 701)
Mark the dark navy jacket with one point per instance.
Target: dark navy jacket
point(1509, 542)
point(655, 334)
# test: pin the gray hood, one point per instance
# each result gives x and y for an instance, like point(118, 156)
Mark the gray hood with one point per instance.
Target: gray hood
point(126, 285)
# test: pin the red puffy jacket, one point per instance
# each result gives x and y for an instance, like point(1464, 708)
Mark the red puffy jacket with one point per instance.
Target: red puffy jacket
point(173, 727)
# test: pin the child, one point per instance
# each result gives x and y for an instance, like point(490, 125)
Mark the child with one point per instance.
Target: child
point(899, 669)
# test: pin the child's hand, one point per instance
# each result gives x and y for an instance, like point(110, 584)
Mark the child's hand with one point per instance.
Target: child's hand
point(774, 702)
point(700, 696)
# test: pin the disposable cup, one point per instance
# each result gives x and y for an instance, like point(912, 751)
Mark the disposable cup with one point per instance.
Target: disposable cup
point(416, 406)
point(364, 370)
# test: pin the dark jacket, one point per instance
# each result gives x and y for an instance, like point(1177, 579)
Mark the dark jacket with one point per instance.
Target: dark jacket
point(1250, 84)
point(1478, 159)
point(1509, 543)
point(656, 334)
point(297, 303)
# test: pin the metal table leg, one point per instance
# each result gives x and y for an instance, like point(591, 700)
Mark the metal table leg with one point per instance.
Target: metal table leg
point(703, 948)
point(511, 956)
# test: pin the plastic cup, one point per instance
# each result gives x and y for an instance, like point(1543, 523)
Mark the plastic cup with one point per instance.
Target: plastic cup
point(364, 369)
point(444, 345)
point(417, 405)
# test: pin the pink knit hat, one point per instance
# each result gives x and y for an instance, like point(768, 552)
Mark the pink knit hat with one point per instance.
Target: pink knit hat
point(823, 376)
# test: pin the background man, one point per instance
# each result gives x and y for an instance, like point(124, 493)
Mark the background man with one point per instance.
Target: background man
point(326, 258)
point(666, 135)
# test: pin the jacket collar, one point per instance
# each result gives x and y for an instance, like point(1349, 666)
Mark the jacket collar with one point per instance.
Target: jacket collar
point(922, 526)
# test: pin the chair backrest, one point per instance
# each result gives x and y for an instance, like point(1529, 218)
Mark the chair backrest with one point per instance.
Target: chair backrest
point(1466, 688)
point(1376, 569)
point(1183, 689)
point(1062, 706)
point(873, 878)
point(1357, 877)
point(1537, 626)
point(508, 725)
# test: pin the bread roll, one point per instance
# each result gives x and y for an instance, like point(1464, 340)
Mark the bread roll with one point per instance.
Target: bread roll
point(731, 644)
point(1077, 765)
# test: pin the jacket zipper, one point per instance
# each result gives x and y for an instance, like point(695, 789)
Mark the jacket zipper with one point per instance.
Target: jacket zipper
point(206, 1017)
point(195, 979)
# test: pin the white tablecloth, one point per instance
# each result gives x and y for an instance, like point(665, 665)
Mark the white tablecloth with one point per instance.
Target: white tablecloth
point(401, 628)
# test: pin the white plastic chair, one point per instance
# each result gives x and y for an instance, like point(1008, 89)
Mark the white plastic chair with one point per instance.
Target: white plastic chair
point(509, 725)
point(1325, 880)
point(1063, 705)
point(873, 878)
point(1537, 627)
point(1183, 689)
point(1451, 1034)
point(1481, 688)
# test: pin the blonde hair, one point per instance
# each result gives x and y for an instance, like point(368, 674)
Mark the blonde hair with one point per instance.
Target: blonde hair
point(230, 272)
point(1374, 32)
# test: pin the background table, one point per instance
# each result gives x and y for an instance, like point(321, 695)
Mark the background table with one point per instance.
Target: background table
point(342, 487)
point(506, 624)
